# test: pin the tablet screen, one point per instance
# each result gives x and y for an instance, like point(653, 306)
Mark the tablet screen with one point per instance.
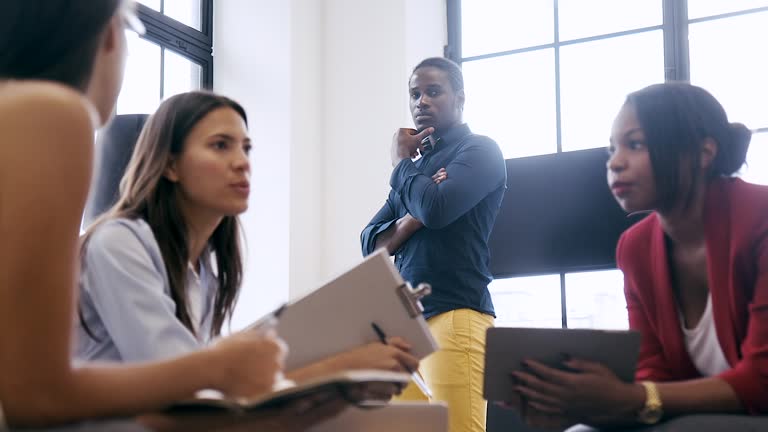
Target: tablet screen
point(507, 348)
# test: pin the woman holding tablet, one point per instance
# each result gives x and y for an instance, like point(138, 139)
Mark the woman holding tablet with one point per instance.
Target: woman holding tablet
point(695, 272)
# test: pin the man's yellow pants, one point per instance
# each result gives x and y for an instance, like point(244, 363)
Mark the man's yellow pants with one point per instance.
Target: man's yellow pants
point(455, 372)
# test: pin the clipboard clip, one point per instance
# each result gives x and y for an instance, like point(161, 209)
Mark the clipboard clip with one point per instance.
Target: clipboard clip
point(411, 297)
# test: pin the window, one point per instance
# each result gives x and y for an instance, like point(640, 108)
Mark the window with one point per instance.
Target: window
point(527, 301)
point(141, 85)
point(756, 170)
point(174, 56)
point(602, 72)
point(579, 300)
point(154, 4)
point(530, 95)
point(530, 64)
point(187, 12)
point(709, 8)
point(727, 58)
point(596, 300)
point(546, 77)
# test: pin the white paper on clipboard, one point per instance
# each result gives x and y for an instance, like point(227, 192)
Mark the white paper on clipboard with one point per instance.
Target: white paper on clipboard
point(337, 317)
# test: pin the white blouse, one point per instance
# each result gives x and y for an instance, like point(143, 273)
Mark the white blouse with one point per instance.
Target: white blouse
point(126, 300)
point(197, 298)
point(703, 345)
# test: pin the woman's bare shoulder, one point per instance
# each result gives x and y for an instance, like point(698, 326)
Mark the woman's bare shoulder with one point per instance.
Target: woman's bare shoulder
point(41, 100)
point(41, 114)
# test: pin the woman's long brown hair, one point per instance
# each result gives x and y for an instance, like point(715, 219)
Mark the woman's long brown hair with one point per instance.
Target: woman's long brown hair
point(145, 193)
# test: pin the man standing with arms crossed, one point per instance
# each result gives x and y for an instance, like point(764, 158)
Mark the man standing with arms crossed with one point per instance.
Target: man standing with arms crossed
point(436, 221)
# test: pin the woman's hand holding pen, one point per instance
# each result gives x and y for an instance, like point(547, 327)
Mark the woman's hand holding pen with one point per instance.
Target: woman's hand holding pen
point(247, 363)
point(394, 357)
point(375, 355)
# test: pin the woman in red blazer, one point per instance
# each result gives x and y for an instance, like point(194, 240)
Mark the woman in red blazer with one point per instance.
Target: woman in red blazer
point(695, 272)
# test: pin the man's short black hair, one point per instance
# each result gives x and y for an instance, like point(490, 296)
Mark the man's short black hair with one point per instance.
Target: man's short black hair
point(453, 70)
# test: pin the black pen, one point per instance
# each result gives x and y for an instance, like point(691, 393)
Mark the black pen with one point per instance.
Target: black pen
point(264, 325)
point(414, 374)
point(269, 321)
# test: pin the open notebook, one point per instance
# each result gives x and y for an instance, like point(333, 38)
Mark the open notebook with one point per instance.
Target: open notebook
point(345, 383)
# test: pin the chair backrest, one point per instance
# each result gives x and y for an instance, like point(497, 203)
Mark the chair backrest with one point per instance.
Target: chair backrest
point(114, 147)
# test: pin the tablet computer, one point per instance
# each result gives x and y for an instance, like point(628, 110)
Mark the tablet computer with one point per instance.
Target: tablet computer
point(507, 348)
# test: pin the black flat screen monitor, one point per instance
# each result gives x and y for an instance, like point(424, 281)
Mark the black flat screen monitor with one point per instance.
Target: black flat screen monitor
point(558, 215)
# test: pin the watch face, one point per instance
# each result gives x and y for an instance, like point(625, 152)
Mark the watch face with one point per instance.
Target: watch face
point(651, 415)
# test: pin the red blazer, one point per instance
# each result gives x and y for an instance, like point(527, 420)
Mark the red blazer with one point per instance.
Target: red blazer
point(736, 221)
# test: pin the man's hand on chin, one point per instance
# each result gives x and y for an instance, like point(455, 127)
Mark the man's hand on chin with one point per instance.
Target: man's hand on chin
point(406, 143)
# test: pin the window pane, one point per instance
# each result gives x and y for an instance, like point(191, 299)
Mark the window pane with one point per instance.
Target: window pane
point(527, 301)
point(595, 78)
point(185, 11)
point(703, 8)
point(728, 58)
point(596, 300)
point(180, 75)
point(756, 170)
point(489, 26)
point(154, 4)
point(141, 87)
point(512, 100)
point(584, 18)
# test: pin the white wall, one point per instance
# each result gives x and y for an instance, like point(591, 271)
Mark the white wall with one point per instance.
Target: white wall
point(324, 83)
point(307, 203)
point(365, 85)
point(252, 46)
point(371, 47)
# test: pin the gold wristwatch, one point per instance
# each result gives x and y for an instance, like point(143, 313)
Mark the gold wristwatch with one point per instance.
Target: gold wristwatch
point(651, 412)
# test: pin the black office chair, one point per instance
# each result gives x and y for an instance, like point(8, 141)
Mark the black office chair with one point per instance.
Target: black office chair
point(113, 151)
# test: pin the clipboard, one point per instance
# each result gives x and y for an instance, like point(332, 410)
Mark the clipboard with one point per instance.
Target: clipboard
point(507, 348)
point(337, 316)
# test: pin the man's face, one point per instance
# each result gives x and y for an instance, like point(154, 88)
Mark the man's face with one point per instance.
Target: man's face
point(433, 101)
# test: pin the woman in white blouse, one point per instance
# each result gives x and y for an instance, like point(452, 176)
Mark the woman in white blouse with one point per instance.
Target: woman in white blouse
point(162, 269)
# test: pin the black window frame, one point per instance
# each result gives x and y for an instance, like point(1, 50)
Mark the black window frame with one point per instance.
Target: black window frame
point(674, 27)
point(188, 42)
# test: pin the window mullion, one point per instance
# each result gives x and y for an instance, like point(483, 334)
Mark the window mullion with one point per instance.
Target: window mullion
point(162, 73)
point(558, 123)
point(676, 58)
point(563, 301)
point(453, 49)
